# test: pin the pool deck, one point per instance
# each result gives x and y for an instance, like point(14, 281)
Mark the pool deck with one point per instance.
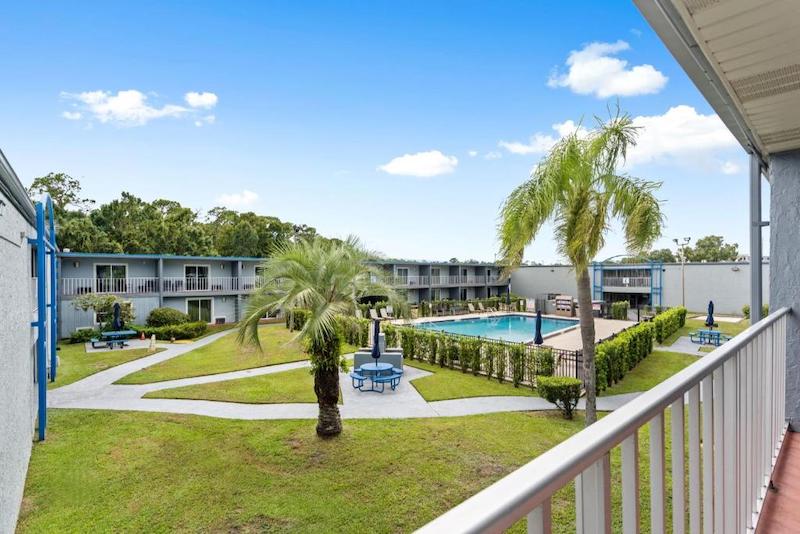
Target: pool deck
point(568, 339)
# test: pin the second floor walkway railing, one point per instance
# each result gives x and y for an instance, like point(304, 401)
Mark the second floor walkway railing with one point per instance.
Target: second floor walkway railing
point(726, 424)
point(154, 285)
point(624, 281)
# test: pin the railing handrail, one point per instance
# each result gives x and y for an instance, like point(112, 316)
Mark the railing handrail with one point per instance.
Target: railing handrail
point(499, 506)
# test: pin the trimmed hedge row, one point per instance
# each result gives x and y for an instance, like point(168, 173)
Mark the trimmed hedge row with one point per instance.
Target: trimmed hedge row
point(426, 307)
point(166, 316)
point(176, 331)
point(668, 322)
point(618, 355)
point(514, 362)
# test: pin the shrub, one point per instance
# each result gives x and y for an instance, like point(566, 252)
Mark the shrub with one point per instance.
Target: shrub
point(562, 391)
point(353, 331)
point(471, 355)
point(619, 310)
point(746, 310)
point(296, 318)
point(517, 356)
point(166, 316)
point(408, 343)
point(390, 331)
point(668, 322)
point(618, 355)
point(84, 335)
point(544, 363)
point(501, 362)
point(177, 331)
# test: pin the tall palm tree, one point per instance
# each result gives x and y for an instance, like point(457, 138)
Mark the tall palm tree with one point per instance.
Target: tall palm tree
point(576, 186)
point(326, 277)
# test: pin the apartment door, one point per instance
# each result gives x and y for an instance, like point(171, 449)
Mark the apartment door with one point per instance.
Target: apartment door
point(111, 278)
point(196, 277)
point(402, 276)
point(199, 309)
point(463, 294)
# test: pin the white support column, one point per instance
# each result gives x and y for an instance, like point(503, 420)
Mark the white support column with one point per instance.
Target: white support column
point(755, 239)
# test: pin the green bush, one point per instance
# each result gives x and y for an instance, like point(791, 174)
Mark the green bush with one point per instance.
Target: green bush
point(354, 331)
point(615, 357)
point(517, 356)
point(746, 310)
point(296, 319)
point(390, 331)
point(668, 322)
point(166, 316)
point(177, 331)
point(562, 391)
point(544, 363)
point(619, 310)
point(84, 335)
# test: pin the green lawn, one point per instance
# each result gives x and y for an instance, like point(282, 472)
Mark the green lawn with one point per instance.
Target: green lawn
point(653, 370)
point(76, 363)
point(692, 325)
point(106, 471)
point(448, 383)
point(225, 355)
point(296, 385)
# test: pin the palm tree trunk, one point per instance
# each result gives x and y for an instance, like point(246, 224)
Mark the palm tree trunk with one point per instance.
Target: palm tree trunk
point(587, 338)
point(326, 386)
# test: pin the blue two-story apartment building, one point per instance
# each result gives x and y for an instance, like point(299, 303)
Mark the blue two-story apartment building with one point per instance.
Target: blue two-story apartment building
point(208, 289)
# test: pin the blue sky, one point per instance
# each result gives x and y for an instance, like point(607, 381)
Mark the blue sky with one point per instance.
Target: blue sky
point(306, 110)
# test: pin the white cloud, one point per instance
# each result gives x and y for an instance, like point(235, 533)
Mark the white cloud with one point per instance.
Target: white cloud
point(679, 136)
point(730, 167)
point(128, 107)
point(594, 70)
point(539, 143)
point(204, 100)
point(72, 115)
point(208, 119)
point(494, 154)
point(423, 164)
point(238, 200)
point(472, 153)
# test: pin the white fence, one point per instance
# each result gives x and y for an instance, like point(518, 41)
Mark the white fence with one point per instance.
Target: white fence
point(734, 398)
point(154, 285)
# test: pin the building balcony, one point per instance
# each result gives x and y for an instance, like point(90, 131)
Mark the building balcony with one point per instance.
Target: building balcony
point(725, 419)
point(408, 281)
point(625, 281)
point(154, 285)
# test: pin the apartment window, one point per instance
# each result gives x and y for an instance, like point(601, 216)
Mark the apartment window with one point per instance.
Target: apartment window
point(199, 310)
point(111, 278)
point(196, 277)
point(435, 272)
point(463, 294)
point(402, 274)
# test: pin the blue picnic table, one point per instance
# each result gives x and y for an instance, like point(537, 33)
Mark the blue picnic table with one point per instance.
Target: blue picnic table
point(708, 337)
point(117, 337)
point(379, 374)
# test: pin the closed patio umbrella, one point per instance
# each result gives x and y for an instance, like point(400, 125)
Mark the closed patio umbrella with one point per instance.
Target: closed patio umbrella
point(538, 338)
point(710, 318)
point(117, 322)
point(376, 332)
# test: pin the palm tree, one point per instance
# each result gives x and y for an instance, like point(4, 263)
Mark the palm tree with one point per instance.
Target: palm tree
point(326, 277)
point(577, 187)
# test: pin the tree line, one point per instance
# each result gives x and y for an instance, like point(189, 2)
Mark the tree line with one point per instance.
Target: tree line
point(132, 225)
point(708, 248)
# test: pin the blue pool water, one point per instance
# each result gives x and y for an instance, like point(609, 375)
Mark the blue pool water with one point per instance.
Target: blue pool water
point(515, 328)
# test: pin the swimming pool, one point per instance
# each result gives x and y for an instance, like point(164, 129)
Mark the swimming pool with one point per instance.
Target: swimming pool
point(517, 328)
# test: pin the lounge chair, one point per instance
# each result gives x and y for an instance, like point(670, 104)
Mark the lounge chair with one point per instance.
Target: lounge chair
point(359, 315)
point(390, 311)
point(471, 308)
point(373, 315)
point(481, 308)
point(384, 314)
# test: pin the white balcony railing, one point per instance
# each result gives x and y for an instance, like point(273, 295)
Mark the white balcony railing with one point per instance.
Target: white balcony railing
point(734, 398)
point(152, 285)
point(183, 284)
point(407, 281)
point(136, 285)
point(624, 281)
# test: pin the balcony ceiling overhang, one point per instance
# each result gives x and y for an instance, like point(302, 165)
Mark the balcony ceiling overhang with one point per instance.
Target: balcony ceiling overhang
point(744, 57)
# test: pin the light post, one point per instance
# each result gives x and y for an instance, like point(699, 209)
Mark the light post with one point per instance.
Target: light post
point(682, 244)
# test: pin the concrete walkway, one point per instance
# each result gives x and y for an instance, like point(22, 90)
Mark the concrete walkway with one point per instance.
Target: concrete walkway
point(684, 345)
point(98, 391)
